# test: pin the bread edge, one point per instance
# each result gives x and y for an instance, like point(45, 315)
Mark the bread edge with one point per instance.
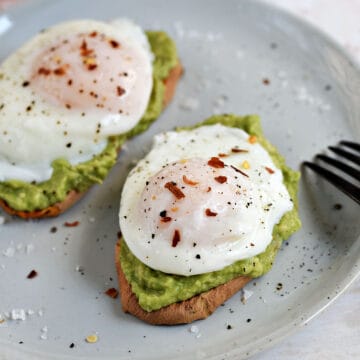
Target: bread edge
point(73, 196)
point(196, 308)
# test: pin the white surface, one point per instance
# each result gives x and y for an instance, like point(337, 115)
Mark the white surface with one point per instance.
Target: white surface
point(71, 316)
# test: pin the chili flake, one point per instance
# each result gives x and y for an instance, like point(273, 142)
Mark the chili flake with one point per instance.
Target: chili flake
point(112, 292)
point(188, 181)
point(92, 67)
point(120, 90)
point(208, 212)
point(43, 71)
point(114, 44)
point(237, 150)
point(171, 186)
point(71, 224)
point(60, 71)
point(221, 179)
point(269, 170)
point(176, 238)
point(166, 219)
point(222, 155)
point(216, 163)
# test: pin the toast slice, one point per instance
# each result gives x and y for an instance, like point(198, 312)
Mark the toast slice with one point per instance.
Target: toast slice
point(196, 308)
point(73, 196)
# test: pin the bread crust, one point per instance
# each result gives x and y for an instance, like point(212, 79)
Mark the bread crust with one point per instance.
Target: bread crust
point(73, 196)
point(196, 308)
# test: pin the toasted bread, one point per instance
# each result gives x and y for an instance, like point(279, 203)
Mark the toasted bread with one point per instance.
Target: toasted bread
point(73, 196)
point(196, 308)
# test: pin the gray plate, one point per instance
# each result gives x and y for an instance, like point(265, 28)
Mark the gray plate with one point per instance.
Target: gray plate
point(228, 49)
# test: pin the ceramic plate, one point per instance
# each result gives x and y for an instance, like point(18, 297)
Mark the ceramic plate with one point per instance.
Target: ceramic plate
point(241, 57)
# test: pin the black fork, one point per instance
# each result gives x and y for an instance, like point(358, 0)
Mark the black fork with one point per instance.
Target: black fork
point(347, 187)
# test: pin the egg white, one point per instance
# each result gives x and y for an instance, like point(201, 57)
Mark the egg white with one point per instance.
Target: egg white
point(31, 139)
point(251, 226)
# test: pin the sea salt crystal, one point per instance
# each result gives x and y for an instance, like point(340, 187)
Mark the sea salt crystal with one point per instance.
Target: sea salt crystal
point(189, 104)
point(29, 248)
point(30, 312)
point(92, 219)
point(19, 247)
point(194, 329)
point(9, 252)
point(40, 312)
point(18, 314)
point(245, 295)
point(79, 268)
point(2, 220)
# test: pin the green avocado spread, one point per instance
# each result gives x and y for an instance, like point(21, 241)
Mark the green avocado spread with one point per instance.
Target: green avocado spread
point(155, 289)
point(20, 195)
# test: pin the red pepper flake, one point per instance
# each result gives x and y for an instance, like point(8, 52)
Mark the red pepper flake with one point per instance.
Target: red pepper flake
point(92, 66)
point(216, 163)
point(269, 170)
point(70, 82)
point(222, 155)
point(84, 51)
point(32, 274)
point(221, 179)
point(237, 150)
point(60, 71)
point(72, 224)
point(266, 81)
point(44, 71)
point(165, 219)
point(114, 44)
point(112, 292)
point(93, 34)
point(208, 212)
point(188, 181)
point(171, 186)
point(208, 189)
point(239, 171)
point(176, 238)
point(120, 90)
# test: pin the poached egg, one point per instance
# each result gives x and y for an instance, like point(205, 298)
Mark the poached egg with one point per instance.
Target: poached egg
point(68, 89)
point(202, 200)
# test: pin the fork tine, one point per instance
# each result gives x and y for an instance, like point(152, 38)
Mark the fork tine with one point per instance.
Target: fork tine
point(350, 144)
point(346, 154)
point(346, 187)
point(340, 165)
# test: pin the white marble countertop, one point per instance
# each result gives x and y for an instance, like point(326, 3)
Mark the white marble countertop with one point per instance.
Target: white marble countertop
point(335, 333)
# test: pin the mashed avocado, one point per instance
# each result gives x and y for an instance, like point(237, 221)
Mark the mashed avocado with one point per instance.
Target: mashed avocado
point(20, 195)
point(155, 289)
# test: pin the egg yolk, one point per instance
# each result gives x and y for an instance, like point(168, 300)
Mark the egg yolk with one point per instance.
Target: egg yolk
point(195, 202)
point(89, 71)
